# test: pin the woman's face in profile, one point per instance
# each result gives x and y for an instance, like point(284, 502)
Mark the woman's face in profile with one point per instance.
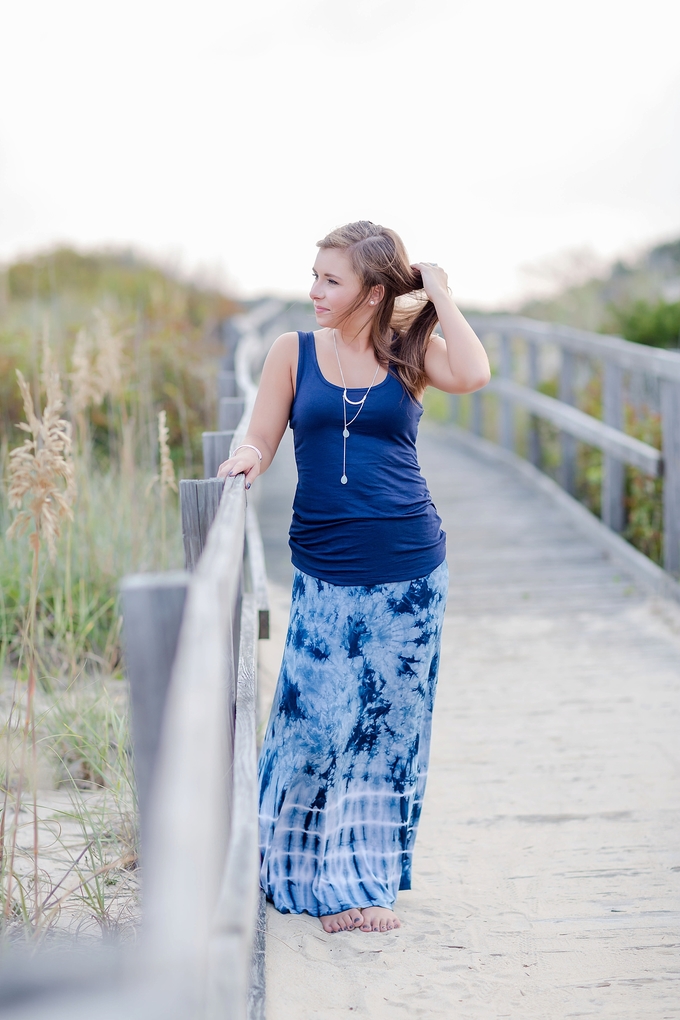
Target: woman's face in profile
point(336, 287)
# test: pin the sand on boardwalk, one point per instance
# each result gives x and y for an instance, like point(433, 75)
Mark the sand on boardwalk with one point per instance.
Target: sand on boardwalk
point(547, 867)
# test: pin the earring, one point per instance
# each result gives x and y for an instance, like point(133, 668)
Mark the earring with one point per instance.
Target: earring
point(371, 302)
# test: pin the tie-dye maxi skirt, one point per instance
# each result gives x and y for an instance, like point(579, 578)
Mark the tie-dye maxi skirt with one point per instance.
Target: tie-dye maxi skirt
point(344, 761)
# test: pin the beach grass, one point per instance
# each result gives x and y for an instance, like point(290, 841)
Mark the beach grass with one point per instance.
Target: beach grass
point(106, 367)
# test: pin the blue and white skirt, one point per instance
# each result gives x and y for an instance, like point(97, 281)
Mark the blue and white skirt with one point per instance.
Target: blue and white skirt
point(344, 761)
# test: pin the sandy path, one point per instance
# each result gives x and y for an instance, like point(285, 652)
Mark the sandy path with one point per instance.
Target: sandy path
point(547, 867)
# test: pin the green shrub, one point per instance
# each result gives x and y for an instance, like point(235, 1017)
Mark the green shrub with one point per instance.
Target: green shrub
point(657, 325)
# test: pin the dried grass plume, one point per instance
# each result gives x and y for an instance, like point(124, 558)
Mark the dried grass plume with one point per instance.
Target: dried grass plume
point(41, 477)
point(98, 364)
point(86, 387)
point(166, 476)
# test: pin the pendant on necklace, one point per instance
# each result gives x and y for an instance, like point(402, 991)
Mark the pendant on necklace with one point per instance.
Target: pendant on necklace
point(345, 433)
point(344, 479)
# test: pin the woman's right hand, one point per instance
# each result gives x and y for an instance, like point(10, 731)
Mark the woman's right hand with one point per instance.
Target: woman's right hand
point(244, 462)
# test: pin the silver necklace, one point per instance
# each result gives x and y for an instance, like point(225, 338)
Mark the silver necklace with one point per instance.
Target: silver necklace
point(354, 403)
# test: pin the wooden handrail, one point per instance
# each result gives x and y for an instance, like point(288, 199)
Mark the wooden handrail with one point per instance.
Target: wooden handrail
point(661, 364)
point(616, 356)
point(190, 813)
point(582, 426)
point(201, 861)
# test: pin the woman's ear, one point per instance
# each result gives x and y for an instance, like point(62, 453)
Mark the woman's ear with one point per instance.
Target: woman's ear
point(377, 294)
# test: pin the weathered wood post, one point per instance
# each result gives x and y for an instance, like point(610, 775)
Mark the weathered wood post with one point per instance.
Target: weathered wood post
point(670, 424)
point(153, 605)
point(216, 447)
point(507, 425)
point(613, 469)
point(230, 337)
point(477, 415)
point(258, 572)
point(454, 408)
point(567, 473)
point(229, 413)
point(226, 384)
point(533, 438)
point(199, 499)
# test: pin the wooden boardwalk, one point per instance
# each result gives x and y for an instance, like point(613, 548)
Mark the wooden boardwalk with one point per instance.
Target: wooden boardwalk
point(547, 869)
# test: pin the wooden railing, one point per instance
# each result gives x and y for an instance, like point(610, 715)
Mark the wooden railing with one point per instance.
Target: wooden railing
point(200, 840)
point(191, 654)
point(526, 352)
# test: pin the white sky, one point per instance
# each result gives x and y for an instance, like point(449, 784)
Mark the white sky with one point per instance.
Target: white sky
point(229, 138)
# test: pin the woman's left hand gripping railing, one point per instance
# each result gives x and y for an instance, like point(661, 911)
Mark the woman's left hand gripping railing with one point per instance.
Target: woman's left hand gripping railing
point(191, 648)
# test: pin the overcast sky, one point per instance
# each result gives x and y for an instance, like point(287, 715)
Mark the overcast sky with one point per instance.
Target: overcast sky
point(229, 137)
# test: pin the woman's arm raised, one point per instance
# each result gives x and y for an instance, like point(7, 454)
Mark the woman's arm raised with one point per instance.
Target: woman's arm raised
point(458, 363)
point(270, 413)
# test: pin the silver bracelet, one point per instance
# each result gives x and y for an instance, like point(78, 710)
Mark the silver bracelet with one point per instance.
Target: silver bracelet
point(247, 446)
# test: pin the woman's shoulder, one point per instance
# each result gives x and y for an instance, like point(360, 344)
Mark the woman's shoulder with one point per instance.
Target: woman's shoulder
point(286, 340)
point(292, 340)
point(285, 346)
point(283, 355)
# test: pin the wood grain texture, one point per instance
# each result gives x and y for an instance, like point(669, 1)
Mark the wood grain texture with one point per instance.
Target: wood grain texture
point(257, 987)
point(236, 910)
point(192, 802)
point(153, 606)
point(199, 499)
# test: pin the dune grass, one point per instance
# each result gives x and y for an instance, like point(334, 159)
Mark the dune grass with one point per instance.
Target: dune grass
point(115, 362)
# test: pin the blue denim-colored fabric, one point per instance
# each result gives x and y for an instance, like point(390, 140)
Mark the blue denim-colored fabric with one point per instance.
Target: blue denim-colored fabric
point(344, 761)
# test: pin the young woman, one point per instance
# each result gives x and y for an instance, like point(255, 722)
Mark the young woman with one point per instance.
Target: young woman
point(344, 761)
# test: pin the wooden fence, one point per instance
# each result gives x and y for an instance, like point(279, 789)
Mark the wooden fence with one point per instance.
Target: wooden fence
point(191, 651)
point(526, 352)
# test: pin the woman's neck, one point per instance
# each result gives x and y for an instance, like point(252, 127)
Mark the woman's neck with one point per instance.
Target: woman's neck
point(356, 338)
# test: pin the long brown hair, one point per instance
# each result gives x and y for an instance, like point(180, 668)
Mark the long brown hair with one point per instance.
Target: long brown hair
point(400, 335)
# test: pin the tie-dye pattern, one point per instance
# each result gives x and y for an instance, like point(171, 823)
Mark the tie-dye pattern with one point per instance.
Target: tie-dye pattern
point(344, 762)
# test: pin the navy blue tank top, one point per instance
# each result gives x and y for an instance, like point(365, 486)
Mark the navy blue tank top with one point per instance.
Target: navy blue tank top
point(382, 525)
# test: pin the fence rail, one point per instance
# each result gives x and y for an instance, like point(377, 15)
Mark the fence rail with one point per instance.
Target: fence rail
point(201, 891)
point(519, 344)
point(191, 651)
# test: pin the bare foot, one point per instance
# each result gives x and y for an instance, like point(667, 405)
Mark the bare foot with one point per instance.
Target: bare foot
point(347, 920)
point(379, 919)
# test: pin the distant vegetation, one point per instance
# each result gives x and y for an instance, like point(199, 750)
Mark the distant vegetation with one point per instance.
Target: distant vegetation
point(127, 341)
point(163, 330)
point(639, 301)
point(107, 378)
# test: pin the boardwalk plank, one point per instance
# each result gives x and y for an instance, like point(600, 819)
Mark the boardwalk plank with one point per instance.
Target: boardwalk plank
point(546, 874)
